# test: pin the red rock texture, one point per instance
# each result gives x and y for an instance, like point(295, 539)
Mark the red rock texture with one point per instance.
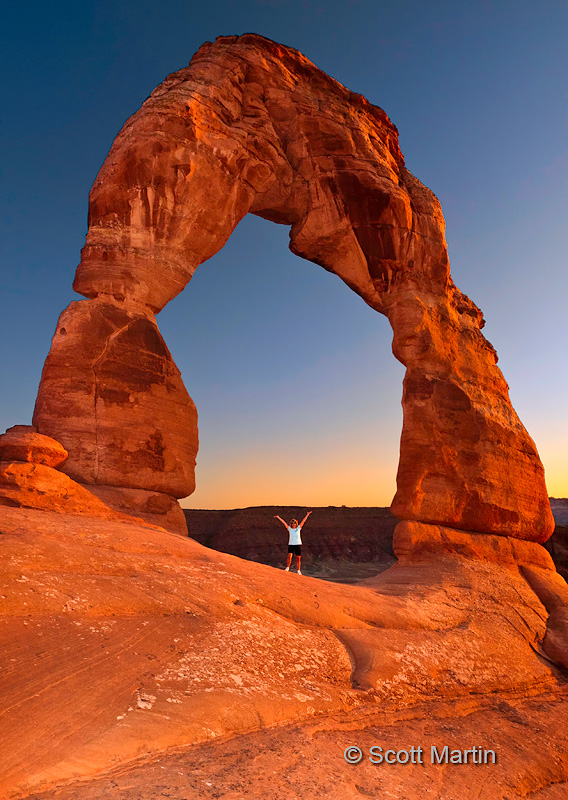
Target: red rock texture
point(465, 459)
point(28, 479)
point(304, 761)
point(24, 485)
point(121, 642)
point(253, 126)
point(112, 395)
point(156, 508)
point(24, 443)
point(415, 541)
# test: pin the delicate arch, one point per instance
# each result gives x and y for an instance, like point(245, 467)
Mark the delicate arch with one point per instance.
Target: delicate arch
point(252, 126)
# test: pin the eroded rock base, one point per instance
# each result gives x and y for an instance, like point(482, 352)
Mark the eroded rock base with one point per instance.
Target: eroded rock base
point(31, 476)
point(155, 508)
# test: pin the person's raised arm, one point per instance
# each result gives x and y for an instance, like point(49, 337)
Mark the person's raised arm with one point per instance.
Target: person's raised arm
point(305, 518)
point(281, 520)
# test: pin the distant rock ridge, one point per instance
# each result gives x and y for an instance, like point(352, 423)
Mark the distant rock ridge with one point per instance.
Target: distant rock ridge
point(559, 507)
point(333, 533)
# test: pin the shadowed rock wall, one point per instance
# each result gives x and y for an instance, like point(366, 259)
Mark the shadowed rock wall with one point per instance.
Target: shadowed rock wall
point(252, 126)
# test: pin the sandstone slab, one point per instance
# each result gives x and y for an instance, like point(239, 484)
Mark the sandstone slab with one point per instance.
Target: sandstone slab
point(156, 508)
point(416, 541)
point(25, 485)
point(304, 761)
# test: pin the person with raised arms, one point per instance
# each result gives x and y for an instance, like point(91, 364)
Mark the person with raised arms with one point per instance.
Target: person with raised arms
point(294, 540)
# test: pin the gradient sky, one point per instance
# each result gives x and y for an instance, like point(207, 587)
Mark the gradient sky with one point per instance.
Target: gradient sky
point(309, 413)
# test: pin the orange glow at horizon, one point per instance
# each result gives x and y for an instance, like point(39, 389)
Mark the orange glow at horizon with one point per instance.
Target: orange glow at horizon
point(320, 479)
point(555, 469)
point(316, 481)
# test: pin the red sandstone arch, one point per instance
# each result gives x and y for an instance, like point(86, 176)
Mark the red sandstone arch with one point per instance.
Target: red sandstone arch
point(252, 126)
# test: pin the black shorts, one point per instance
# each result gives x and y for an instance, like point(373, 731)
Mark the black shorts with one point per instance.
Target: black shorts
point(295, 548)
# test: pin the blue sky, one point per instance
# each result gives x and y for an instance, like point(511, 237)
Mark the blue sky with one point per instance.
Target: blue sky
point(295, 384)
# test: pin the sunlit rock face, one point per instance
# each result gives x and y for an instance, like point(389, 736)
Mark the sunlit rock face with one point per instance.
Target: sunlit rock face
point(110, 390)
point(24, 443)
point(252, 126)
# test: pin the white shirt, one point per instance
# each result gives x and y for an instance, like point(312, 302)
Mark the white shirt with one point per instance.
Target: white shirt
point(294, 537)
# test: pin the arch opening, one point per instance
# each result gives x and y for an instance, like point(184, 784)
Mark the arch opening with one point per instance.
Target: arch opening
point(297, 391)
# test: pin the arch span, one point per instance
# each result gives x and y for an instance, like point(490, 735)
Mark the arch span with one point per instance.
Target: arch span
point(251, 126)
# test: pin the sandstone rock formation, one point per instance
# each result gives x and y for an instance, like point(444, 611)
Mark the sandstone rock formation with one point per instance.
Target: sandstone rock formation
point(24, 443)
point(29, 479)
point(107, 380)
point(155, 508)
point(252, 126)
point(139, 664)
point(28, 485)
point(111, 392)
point(122, 642)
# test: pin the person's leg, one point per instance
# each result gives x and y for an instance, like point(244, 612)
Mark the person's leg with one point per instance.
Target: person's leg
point(298, 559)
point(289, 561)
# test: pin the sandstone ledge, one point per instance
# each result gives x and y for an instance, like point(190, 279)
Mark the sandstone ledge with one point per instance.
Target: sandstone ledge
point(35, 486)
point(155, 508)
point(414, 541)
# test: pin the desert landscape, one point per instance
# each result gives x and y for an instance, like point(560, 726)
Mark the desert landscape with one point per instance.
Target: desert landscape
point(424, 652)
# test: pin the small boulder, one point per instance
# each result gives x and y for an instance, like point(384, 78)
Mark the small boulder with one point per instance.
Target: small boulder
point(24, 443)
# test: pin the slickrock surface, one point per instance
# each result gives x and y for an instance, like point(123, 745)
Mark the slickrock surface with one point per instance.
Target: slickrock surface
point(24, 443)
point(122, 642)
point(305, 760)
point(253, 126)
